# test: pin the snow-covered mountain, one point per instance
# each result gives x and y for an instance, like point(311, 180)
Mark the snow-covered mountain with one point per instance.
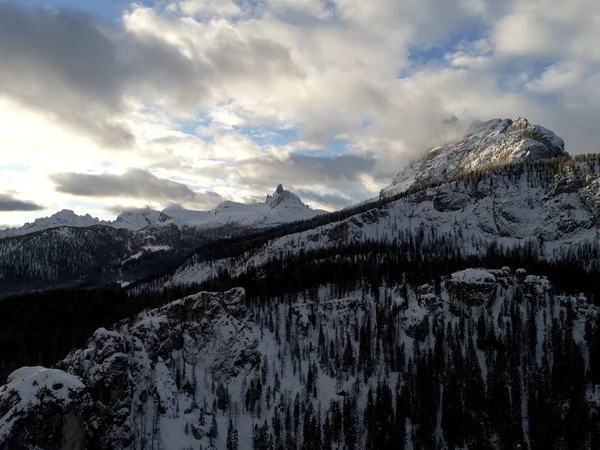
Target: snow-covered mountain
point(68, 250)
point(281, 207)
point(551, 205)
point(495, 142)
point(63, 218)
point(139, 219)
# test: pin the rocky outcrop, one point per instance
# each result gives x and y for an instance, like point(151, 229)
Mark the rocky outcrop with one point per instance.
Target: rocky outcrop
point(473, 287)
point(447, 200)
point(46, 407)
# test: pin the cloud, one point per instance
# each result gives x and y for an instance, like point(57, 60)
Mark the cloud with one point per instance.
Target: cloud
point(89, 76)
point(302, 170)
point(61, 63)
point(204, 8)
point(328, 200)
point(549, 28)
point(134, 184)
point(9, 203)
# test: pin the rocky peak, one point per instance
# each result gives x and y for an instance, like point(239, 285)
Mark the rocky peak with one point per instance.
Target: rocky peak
point(497, 141)
point(281, 196)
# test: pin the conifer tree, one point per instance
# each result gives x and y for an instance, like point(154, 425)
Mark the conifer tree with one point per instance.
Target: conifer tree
point(232, 437)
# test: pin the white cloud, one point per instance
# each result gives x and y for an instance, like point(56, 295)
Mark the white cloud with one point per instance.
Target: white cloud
point(207, 8)
point(555, 28)
point(557, 78)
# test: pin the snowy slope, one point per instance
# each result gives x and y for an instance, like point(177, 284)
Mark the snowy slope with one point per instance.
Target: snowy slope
point(497, 141)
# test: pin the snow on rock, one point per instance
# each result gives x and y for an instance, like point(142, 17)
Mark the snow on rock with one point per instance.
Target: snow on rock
point(416, 321)
point(473, 276)
point(64, 218)
point(138, 219)
point(534, 285)
point(281, 195)
point(474, 287)
point(497, 141)
point(42, 405)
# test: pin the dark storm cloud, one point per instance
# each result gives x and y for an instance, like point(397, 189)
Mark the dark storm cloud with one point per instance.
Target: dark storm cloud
point(303, 170)
point(343, 166)
point(135, 183)
point(332, 201)
point(63, 64)
point(9, 203)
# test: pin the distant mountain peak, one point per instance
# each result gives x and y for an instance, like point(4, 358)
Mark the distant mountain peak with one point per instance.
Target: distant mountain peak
point(136, 219)
point(281, 196)
point(496, 141)
point(69, 215)
point(64, 213)
point(62, 218)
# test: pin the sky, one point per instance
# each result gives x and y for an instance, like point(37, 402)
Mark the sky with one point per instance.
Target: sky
point(107, 105)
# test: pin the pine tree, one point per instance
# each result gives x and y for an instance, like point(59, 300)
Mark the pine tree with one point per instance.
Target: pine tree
point(232, 437)
point(213, 433)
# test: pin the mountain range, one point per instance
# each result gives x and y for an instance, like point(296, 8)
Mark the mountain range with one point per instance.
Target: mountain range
point(458, 310)
point(280, 207)
point(85, 251)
